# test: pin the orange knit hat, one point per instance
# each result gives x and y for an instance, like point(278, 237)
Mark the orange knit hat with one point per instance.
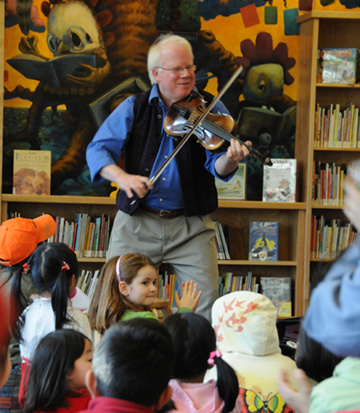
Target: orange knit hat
point(19, 237)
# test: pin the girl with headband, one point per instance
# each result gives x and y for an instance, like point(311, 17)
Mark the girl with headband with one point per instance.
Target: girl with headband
point(127, 288)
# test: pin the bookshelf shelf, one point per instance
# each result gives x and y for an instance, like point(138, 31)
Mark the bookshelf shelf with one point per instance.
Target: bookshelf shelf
point(258, 263)
point(263, 205)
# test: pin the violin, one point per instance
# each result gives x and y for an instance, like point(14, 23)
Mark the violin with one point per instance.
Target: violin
point(212, 131)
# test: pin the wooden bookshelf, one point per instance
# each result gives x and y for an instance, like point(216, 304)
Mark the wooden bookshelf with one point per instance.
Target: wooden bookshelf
point(320, 29)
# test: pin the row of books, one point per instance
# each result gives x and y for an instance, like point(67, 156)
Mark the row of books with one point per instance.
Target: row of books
point(229, 282)
point(330, 237)
point(328, 184)
point(277, 289)
point(336, 127)
point(263, 241)
point(167, 286)
point(88, 236)
point(221, 241)
point(87, 282)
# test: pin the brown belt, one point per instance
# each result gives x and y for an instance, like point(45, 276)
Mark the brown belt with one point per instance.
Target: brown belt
point(164, 213)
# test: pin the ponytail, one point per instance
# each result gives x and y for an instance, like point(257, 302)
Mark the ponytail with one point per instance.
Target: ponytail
point(59, 299)
point(227, 383)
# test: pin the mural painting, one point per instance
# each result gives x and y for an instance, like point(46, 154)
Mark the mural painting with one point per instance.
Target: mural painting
point(68, 64)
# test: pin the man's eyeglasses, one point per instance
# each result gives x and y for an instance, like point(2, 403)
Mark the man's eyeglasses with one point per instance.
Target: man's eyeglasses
point(179, 69)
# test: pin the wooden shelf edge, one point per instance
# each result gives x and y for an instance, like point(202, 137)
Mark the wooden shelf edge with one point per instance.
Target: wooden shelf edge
point(92, 260)
point(258, 263)
point(61, 199)
point(317, 206)
point(339, 85)
point(262, 205)
point(318, 14)
point(322, 149)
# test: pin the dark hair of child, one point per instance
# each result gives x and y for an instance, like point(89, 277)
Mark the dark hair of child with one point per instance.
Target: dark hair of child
point(317, 362)
point(51, 267)
point(108, 304)
point(193, 340)
point(139, 357)
point(53, 361)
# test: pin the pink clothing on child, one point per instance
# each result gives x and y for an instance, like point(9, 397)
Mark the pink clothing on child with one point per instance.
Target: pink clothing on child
point(198, 398)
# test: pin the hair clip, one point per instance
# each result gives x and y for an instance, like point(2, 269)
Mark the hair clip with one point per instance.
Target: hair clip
point(66, 266)
point(26, 268)
point(118, 269)
point(213, 354)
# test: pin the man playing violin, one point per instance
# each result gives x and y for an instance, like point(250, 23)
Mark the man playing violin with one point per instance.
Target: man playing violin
point(170, 219)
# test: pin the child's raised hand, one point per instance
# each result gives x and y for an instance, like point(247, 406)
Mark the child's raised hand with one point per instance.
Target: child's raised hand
point(298, 400)
point(190, 296)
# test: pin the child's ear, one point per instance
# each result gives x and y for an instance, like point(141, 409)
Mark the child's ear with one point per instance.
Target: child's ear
point(123, 288)
point(90, 382)
point(164, 398)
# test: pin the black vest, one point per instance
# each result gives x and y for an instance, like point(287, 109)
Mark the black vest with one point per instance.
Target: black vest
point(141, 147)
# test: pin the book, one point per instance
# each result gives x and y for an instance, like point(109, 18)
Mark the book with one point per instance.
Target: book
point(235, 188)
point(279, 181)
point(338, 65)
point(278, 290)
point(53, 71)
point(263, 241)
point(31, 172)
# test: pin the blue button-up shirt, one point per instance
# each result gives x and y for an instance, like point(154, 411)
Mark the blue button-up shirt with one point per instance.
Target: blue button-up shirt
point(106, 147)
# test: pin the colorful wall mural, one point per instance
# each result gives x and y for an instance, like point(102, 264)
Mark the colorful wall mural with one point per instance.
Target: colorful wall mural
point(69, 63)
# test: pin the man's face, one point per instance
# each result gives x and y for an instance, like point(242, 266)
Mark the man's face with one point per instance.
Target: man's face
point(175, 85)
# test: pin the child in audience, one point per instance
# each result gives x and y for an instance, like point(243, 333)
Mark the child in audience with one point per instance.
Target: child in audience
point(19, 237)
point(333, 320)
point(53, 268)
point(126, 289)
point(57, 377)
point(245, 326)
point(131, 368)
point(194, 344)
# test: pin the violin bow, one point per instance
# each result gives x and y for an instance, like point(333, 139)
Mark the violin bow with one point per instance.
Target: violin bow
point(197, 123)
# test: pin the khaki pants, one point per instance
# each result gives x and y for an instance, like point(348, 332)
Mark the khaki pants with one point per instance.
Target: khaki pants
point(186, 243)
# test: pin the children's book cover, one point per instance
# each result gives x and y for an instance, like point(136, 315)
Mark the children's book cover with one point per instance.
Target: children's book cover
point(263, 242)
point(235, 188)
point(278, 290)
point(32, 172)
point(279, 182)
point(338, 65)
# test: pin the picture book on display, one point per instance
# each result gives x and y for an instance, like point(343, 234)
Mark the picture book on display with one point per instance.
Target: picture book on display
point(338, 65)
point(235, 188)
point(279, 181)
point(278, 290)
point(264, 240)
point(31, 172)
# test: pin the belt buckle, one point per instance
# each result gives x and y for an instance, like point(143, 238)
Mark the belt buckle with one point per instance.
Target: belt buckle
point(164, 213)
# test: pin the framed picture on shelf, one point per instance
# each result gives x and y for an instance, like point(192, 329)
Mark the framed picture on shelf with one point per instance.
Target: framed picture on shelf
point(235, 188)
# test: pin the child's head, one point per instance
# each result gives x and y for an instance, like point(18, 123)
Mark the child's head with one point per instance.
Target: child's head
point(59, 366)
point(53, 268)
point(194, 344)
point(19, 237)
point(126, 282)
point(317, 362)
point(133, 362)
point(245, 322)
